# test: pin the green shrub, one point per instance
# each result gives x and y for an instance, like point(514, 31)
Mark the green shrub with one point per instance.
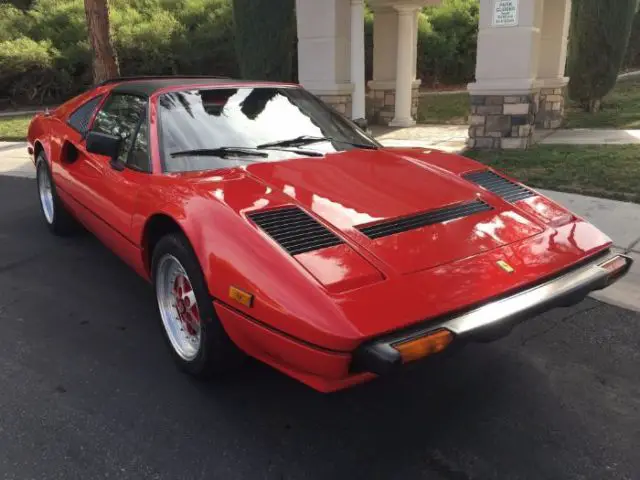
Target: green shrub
point(600, 32)
point(26, 69)
point(632, 57)
point(447, 42)
point(144, 42)
point(265, 35)
point(13, 23)
point(63, 23)
point(368, 44)
point(20, 4)
point(206, 45)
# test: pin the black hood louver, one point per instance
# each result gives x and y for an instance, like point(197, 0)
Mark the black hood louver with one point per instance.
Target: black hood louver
point(433, 217)
point(510, 191)
point(295, 231)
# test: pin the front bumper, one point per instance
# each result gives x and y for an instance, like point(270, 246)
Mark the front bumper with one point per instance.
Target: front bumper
point(496, 318)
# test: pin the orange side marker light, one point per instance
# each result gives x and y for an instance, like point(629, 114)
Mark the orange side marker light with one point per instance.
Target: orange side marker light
point(241, 296)
point(424, 346)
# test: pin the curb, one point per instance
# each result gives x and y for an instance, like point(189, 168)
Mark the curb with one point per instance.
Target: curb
point(632, 74)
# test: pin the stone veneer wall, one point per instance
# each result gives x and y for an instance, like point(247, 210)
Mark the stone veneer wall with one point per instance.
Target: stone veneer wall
point(381, 105)
point(551, 111)
point(342, 103)
point(499, 121)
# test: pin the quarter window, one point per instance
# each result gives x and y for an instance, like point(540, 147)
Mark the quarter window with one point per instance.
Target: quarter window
point(80, 118)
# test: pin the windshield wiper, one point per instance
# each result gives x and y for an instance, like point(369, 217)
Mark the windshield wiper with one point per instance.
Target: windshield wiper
point(222, 152)
point(307, 139)
point(225, 152)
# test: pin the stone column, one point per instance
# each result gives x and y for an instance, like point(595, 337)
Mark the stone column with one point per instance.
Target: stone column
point(553, 58)
point(505, 96)
point(382, 96)
point(357, 59)
point(324, 37)
point(404, 68)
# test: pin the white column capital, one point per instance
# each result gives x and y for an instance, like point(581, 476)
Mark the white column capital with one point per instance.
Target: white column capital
point(404, 9)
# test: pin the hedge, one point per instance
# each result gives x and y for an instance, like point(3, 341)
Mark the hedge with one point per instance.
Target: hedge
point(599, 38)
point(45, 56)
point(632, 58)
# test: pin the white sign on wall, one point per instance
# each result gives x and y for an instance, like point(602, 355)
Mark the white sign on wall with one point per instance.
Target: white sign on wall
point(505, 13)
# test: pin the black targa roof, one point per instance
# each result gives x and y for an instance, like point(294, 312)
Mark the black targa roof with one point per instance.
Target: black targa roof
point(148, 85)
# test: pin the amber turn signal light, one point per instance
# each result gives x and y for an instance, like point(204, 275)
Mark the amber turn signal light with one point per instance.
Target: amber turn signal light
point(241, 296)
point(616, 267)
point(424, 346)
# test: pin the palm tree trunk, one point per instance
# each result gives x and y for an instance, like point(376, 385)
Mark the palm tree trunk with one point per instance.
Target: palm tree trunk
point(104, 59)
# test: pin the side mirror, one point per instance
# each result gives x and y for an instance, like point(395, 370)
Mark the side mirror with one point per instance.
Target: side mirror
point(107, 145)
point(362, 123)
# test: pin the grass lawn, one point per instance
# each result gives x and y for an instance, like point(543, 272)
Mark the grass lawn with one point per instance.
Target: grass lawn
point(611, 171)
point(14, 128)
point(620, 109)
point(451, 108)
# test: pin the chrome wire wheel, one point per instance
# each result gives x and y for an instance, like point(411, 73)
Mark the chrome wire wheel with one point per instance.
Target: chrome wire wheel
point(178, 307)
point(46, 192)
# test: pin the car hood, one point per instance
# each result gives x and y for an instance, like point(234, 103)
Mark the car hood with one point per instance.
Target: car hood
point(361, 188)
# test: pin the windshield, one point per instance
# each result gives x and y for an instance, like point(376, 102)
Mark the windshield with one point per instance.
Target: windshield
point(250, 118)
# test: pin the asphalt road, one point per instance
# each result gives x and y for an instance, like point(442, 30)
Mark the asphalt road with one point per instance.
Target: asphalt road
point(88, 391)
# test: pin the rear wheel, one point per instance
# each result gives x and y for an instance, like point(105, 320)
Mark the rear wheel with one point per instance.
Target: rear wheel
point(197, 340)
point(57, 218)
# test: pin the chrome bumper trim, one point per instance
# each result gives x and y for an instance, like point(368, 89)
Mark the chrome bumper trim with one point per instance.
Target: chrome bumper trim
point(379, 356)
point(586, 279)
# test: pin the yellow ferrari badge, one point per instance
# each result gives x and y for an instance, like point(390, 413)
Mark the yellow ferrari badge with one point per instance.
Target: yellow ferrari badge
point(505, 266)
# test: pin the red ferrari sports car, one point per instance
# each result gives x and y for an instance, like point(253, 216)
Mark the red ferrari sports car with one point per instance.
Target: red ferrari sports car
point(270, 225)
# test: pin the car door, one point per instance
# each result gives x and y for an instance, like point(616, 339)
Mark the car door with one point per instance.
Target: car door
point(109, 195)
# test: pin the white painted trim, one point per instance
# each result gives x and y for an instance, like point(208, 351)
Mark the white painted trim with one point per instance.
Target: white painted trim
point(504, 87)
point(358, 108)
point(559, 82)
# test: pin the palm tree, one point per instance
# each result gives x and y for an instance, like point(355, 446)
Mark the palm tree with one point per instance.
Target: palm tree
point(104, 58)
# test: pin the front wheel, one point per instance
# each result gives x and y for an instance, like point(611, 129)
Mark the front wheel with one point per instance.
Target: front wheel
point(197, 340)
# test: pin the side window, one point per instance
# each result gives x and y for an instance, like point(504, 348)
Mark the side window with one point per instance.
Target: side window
point(139, 155)
point(120, 116)
point(80, 118)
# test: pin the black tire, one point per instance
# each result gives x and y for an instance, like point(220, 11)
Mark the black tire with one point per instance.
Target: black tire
point(60, 222)
point(217, 354)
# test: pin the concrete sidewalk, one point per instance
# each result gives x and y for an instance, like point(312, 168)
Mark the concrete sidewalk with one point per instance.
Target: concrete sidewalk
point(449, 138)
point(587, 136)
point(621, 221)
point(453, 138)
point(14, 160)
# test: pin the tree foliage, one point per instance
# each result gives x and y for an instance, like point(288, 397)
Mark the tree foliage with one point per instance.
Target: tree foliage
point(598, 41)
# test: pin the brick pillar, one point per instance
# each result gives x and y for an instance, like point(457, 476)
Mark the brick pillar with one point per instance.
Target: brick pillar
point(552, 108)
point(502, 121)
